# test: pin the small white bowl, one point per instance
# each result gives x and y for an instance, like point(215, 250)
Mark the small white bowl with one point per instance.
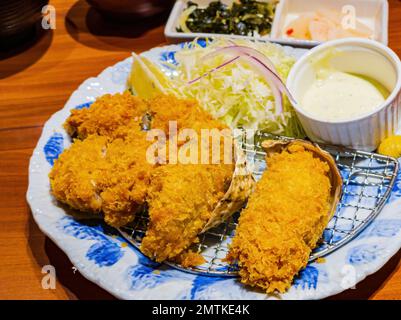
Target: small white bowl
point(373, 13)
point(358, 56)
point(173, 36)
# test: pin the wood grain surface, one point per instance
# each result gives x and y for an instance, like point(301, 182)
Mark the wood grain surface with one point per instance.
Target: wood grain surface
point(36, 81)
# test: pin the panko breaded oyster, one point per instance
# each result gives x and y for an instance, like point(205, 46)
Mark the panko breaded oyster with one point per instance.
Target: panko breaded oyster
point(181, 200)
point(101, 176)
point(110, 116)
point(286, 215)
point(187, 199)
point(114, 116)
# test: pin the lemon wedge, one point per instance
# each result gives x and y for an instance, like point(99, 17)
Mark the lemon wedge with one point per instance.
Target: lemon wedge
point(391, 146)
point(146, 80)
point(160, 76)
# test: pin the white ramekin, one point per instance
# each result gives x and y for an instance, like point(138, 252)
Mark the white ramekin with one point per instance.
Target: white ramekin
point(360, 56)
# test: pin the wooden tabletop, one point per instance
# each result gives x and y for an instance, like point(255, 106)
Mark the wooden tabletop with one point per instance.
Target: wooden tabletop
point(36, 81)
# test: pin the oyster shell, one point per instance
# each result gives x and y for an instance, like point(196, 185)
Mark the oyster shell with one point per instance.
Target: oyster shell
point(241, 187)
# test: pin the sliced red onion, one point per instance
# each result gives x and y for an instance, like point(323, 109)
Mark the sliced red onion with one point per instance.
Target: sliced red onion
point(271, 80)
point(277, 80)
point(261, 64)
point(247, 51)
point(235, 49)
point(213, 70)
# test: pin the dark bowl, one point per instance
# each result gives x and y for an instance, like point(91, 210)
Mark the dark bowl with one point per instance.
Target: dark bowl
point(128, 9)
point(19, 16)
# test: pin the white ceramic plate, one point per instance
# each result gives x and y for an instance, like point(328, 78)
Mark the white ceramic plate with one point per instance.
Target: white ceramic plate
point(102, 256)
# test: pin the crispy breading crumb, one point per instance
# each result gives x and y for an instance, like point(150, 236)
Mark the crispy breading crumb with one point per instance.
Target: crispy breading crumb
point(190, 259)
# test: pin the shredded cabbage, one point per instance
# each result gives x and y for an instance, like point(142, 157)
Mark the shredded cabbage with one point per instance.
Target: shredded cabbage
point(235, 94)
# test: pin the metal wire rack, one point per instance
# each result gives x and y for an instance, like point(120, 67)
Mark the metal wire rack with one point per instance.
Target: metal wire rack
point(368, 179)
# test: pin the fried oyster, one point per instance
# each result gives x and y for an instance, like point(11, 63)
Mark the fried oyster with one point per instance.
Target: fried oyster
point(286, 215)
point(101, 176)
point(111, 116)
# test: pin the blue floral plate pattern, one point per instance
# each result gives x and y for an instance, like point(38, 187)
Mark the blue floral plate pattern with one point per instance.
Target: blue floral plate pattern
point(102, 255)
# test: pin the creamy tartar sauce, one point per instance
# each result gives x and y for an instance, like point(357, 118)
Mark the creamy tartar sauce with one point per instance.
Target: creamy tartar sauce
point(337, 96)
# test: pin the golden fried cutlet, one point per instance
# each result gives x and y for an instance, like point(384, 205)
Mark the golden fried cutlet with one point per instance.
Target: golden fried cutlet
point(181, 199)
point(187, 114)
point(110, 115)
point(116, 115)
point(283, 220)
point(96, 175)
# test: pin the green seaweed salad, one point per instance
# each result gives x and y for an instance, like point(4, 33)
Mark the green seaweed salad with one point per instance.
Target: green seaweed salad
point(243, 17)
